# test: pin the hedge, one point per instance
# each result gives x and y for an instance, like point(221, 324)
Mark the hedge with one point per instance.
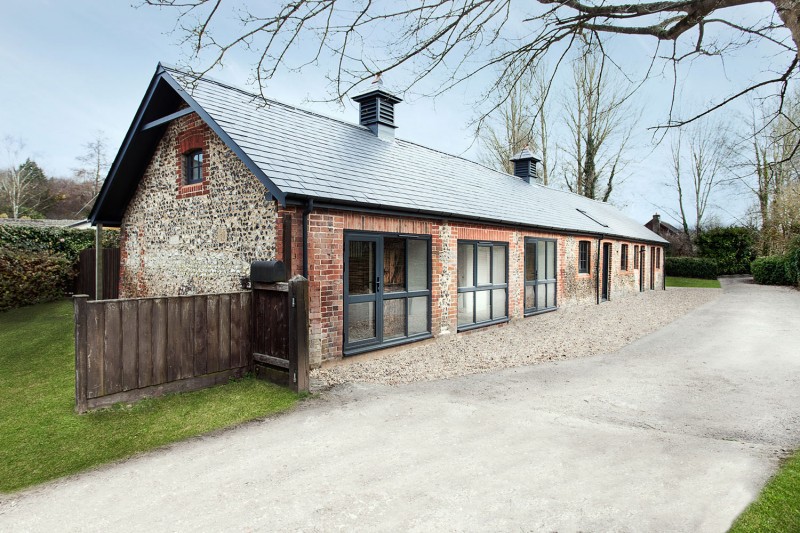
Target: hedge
point(770, 270)
point(792, 261)
point(691, 267)
point(731, 248)
point(38, 264)
point(32, 277)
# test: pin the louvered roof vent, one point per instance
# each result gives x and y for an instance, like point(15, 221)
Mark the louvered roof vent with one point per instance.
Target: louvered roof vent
point(376, 109)
point(525, 165)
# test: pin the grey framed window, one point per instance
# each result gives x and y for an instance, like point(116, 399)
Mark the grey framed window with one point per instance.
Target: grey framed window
point(541, 275)
point(482, 283)
point(658, 257)
point(584, 252)
point(387, 290)
point(624, 261)
point(636, 257)
point(193, 167)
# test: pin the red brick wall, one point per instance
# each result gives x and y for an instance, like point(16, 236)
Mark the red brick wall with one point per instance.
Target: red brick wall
point(326, 268)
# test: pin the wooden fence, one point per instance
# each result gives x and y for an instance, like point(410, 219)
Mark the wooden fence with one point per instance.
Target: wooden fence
point(126, 350)
point(85, 283)
point(280, 332)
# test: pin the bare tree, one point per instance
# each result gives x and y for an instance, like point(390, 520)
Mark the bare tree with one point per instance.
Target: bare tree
point(599, 117)
point(519, 121)
point(94, 162)
point(22, 183)
point(771, 169)
point(701, 159)
point(457, 40)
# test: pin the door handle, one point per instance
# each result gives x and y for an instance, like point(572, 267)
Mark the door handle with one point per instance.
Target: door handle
point(377, 284)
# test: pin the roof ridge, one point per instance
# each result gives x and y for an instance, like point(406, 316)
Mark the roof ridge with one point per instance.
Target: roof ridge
point(225, 85)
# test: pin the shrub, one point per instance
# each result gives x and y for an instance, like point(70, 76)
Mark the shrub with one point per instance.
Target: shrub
point(31, 277)
point(732, 248)
point(40, 263)
point(770, 270)
point(792, 262)
point(691, 267)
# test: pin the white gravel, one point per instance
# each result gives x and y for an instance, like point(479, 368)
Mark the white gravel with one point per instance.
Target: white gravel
point(570, 332)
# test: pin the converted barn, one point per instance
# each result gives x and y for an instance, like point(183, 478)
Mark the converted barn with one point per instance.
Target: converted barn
point(399, 242)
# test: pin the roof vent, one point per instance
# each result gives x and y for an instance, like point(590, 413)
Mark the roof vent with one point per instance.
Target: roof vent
point(376, 109)
point(525, 166)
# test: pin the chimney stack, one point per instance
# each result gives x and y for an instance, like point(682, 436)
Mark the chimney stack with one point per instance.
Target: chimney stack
point(525, 166)
point(376, 110)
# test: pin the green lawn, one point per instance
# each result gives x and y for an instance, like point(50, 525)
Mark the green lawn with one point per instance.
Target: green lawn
point(778, 506)
point(41, 436)
point(673, 281)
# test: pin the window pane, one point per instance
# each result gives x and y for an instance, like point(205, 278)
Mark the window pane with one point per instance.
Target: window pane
point(417, 315)
point(484, 265)
point(498, 303)
point(361, 265)
point(530, 265)
point(541, 271)
point(530, 297)
point(394, 264)
point(394, 318)
point(482, 308)
point(551, 295)
point(465, 308)
point(361, 321)
point(465, 265)
point(551, 260)
point(498, 265)
point(417, 265)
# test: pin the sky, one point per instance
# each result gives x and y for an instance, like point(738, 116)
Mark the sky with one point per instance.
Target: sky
point(71, 69)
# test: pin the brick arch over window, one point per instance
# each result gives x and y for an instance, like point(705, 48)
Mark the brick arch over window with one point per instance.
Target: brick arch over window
point(192, 136)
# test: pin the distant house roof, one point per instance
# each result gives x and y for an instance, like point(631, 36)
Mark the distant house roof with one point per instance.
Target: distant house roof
point(301, 155)
point(45, 223)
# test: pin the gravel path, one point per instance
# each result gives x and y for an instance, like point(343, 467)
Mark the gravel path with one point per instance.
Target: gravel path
point(570, 332)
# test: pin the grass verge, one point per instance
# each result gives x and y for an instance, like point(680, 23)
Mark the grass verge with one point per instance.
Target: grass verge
point(673, 281)
point(778, 506)
point(42, 437)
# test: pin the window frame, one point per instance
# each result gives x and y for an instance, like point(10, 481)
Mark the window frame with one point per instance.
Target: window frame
point(658, 257)
point(635, 257)
point(377, 343)
point(623, 265)
point(588, 259)
point(530, 311)
point(475, 288)
point(189, 167)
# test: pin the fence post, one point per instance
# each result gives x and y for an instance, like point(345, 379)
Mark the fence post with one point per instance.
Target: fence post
point(298, 365)
point(80, 302)
point(98, 261)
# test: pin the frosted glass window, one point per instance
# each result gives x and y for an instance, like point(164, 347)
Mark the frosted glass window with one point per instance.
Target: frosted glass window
point(466, 265)
point(482, 308)
point(417, 315)
point(551, 295)
point(466, 308)
point(417, 265)
point(498, 265)
point(498, 303)
point(541, 271)
point(530, 297)
point(484, 265)
point(551, 260)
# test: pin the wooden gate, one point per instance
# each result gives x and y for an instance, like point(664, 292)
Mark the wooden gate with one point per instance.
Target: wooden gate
point(280, 332)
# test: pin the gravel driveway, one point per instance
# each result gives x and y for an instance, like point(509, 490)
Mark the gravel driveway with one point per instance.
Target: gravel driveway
point(567, 333)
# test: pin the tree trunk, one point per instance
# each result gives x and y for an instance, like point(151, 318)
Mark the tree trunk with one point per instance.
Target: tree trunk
point(789, 12)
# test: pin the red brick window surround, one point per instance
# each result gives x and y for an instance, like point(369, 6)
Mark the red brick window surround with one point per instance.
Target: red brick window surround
point(192, 146)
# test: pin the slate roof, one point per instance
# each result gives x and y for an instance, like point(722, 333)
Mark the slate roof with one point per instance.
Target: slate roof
point(307, 155)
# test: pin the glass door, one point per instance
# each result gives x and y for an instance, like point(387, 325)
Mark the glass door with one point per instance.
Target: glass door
point(541, 280)
point(362, 285)
point(387, 290)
